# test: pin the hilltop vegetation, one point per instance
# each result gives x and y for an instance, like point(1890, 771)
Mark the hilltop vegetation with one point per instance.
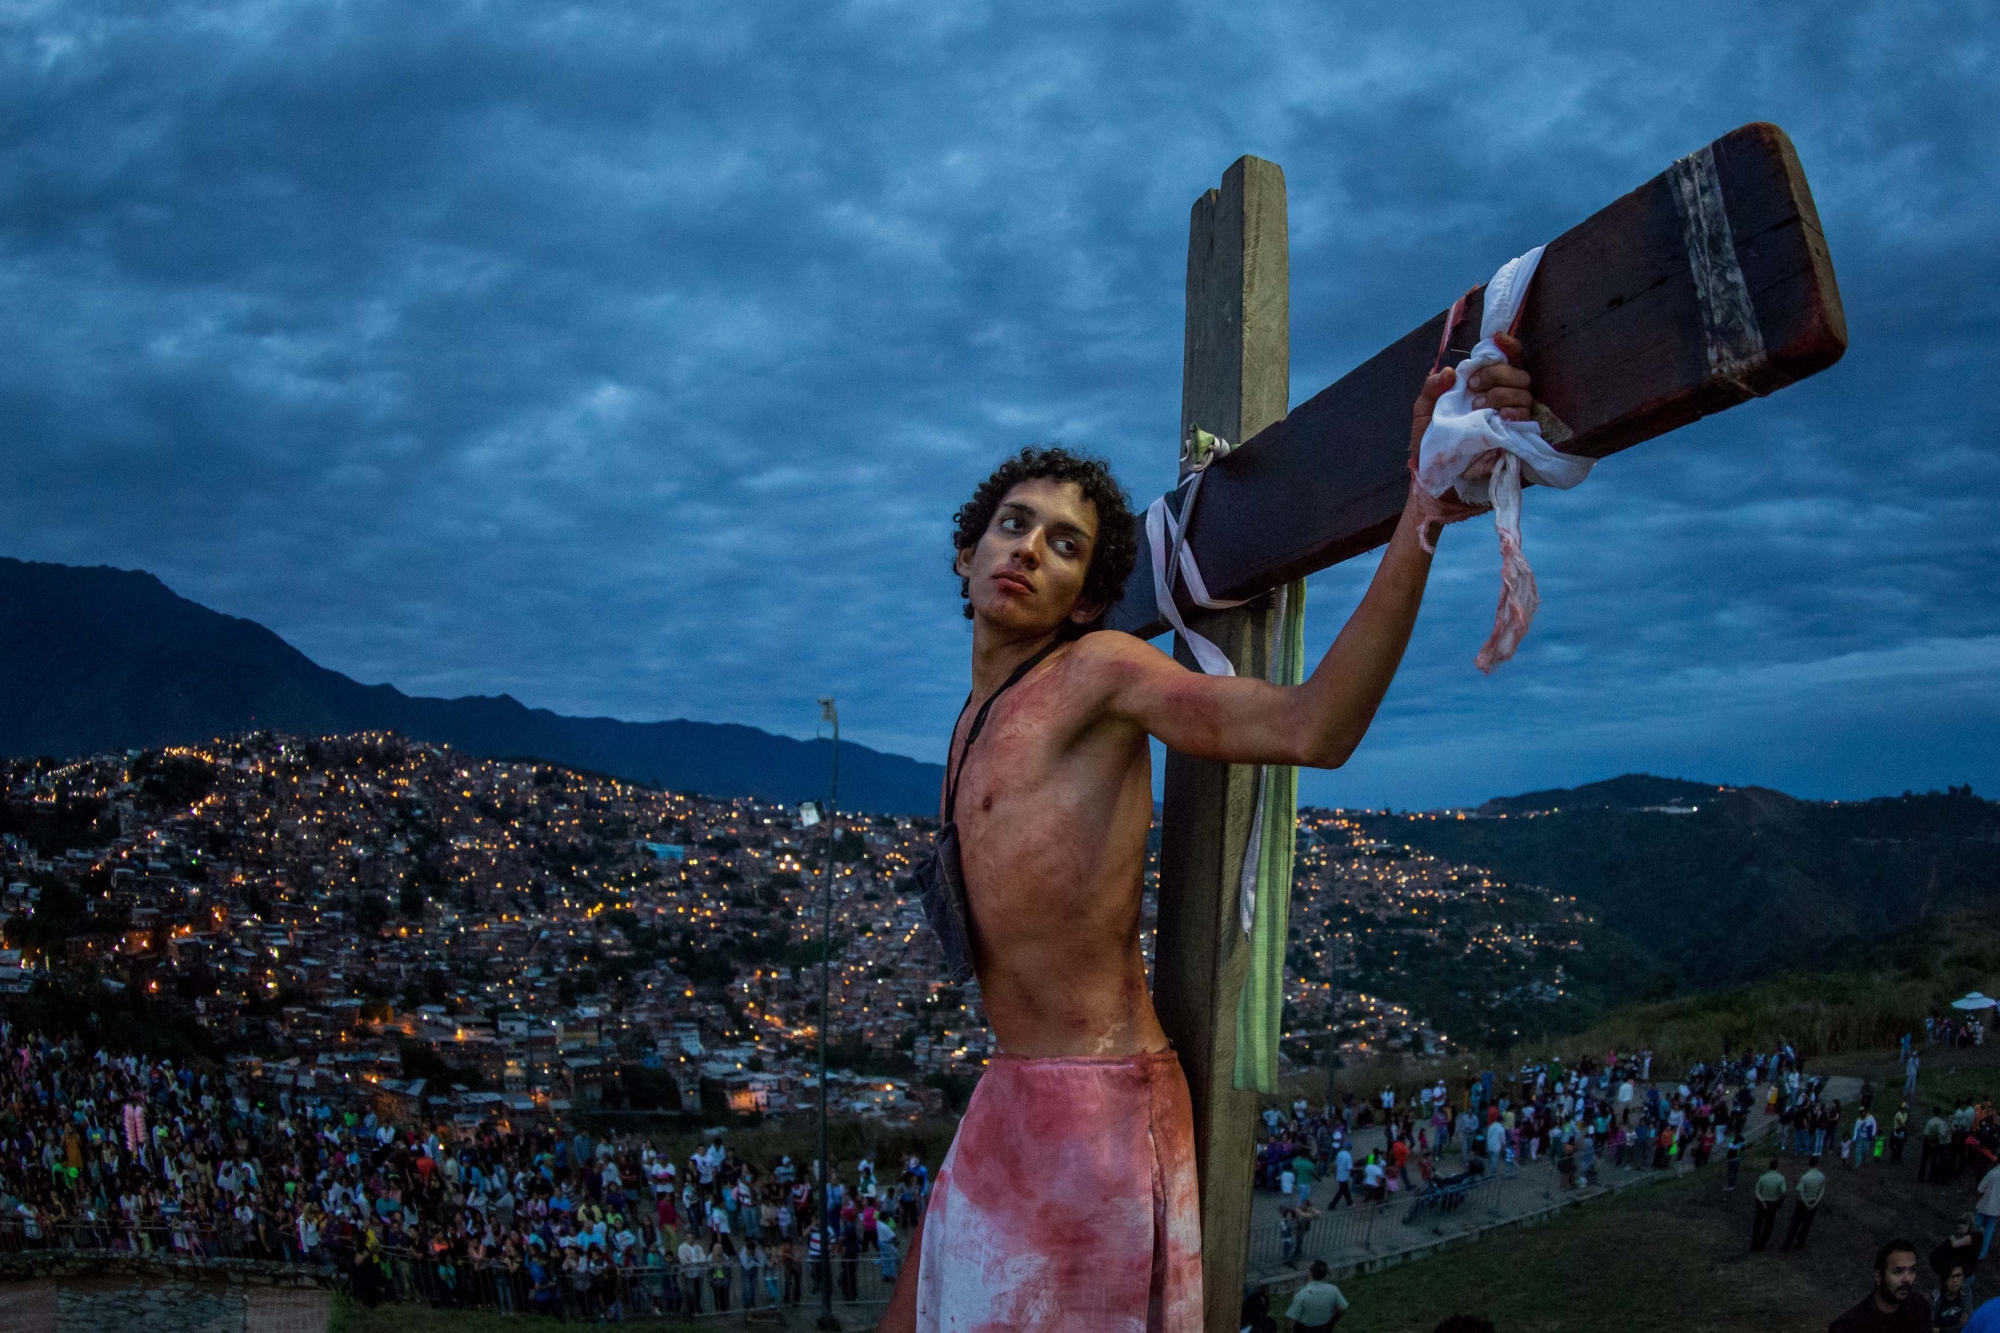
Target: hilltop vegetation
point(1748, 882)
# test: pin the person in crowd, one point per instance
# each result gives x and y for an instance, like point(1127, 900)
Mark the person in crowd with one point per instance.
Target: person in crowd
point(1960, 1250)
point(1861, 1142)
point(693, 1273)
point(751, 1260)
point(1771, 1190)
point(850, 1264)
point(1255, 1314)
point(1893, 1304)
point(720, 1261)
point(1988, 1208)
point(1930, 1146)
point(1809, 1191)
point(1317, 1305)
point(793, 1269)
point(1951, 1303)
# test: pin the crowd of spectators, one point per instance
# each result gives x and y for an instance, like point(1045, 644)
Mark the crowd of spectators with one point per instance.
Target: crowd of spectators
point(1436, 1142)
point(116, 1152)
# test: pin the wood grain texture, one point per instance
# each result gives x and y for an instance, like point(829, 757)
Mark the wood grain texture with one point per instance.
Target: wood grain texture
point(1615, 337)
point(1235, 371)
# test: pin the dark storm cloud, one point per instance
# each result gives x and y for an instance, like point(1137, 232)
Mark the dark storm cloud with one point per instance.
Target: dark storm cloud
point(632, 359)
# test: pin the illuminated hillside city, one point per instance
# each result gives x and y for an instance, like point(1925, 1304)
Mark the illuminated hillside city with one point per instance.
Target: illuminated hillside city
point(371, 917)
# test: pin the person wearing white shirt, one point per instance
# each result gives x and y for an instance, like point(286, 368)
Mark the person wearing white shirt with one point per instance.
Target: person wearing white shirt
point(1862, 1144)
point(1988, 1208)
point(694, 1268)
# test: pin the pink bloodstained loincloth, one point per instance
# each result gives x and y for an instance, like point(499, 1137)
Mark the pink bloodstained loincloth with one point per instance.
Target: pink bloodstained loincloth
point(1067, 1203)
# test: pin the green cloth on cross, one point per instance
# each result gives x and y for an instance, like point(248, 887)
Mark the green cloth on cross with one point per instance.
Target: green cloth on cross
point(1267, 873)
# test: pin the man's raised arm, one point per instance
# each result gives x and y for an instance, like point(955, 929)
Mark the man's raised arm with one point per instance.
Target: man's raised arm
point(1316, 724)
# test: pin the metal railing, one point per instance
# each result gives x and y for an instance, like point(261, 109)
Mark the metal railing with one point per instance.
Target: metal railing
point(1370, 1228)
point(1403, 1220)
point(164, 1238)
point(385, 1276)
point(621, 1292)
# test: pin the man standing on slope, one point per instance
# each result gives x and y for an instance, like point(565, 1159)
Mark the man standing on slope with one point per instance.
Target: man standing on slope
point(1810, 1190)
point(1772, 1187)
point(1067, 1200)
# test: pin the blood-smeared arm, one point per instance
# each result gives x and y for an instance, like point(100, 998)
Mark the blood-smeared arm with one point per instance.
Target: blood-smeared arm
point(1319, 723)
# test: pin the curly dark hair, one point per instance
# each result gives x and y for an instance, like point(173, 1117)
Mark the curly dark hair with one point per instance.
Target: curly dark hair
point(1116, 548)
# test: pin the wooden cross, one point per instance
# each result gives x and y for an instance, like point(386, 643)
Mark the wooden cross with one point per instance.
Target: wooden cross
point(1705, 286)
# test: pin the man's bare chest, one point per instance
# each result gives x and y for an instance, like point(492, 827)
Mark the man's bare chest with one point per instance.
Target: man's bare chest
point(1023, 750)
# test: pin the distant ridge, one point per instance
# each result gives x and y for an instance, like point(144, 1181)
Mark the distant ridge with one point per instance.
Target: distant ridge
point(96, 659)
point(1720, 884)
point(1632, 791)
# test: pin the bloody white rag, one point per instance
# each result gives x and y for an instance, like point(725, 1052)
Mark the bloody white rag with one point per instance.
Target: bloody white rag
point(1067, 1203)
point(1461, 434)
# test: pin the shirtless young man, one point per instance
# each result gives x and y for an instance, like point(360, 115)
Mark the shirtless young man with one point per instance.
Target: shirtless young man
point(1068, 1199)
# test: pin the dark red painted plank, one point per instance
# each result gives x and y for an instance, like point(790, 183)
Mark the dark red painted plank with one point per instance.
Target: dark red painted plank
point(1615, 338)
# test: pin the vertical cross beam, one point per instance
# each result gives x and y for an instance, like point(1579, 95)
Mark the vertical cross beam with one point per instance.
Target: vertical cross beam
point(1235, 380)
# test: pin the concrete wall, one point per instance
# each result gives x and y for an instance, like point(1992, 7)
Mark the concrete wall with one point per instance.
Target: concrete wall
point(116, 1293)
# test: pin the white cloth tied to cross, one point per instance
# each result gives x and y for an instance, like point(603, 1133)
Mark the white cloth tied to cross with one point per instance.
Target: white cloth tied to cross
point(1460, 434)
point(1166, 538)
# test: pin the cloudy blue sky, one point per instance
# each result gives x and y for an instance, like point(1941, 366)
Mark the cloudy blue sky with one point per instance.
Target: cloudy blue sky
point(630, 359)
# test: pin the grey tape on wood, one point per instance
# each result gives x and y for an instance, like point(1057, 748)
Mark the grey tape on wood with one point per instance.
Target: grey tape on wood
point(1554, 429)
point(1735, 341)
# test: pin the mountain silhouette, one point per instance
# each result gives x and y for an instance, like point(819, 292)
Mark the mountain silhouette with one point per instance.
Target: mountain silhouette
point(100, 659)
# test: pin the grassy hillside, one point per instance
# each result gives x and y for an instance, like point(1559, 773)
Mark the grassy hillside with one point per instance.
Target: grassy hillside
point(1824, 1014)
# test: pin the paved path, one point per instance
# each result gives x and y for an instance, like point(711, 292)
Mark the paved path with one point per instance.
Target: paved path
point(1352, 1238)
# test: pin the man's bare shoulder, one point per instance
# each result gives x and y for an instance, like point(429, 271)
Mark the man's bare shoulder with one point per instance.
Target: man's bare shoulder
point(1090, 674)
point(1109, 669)
point(1116, 654)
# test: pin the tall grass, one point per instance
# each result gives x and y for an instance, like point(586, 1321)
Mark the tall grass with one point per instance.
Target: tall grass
point(1820, 1013)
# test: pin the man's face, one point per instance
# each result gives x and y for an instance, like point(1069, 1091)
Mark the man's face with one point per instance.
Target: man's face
point(1898, 1278)
point(1026, 573)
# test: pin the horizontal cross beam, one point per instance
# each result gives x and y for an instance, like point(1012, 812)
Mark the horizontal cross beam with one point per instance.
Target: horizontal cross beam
point(1708, 285)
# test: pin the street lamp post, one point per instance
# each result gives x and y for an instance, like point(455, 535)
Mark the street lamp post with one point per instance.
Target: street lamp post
point(828, 713)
